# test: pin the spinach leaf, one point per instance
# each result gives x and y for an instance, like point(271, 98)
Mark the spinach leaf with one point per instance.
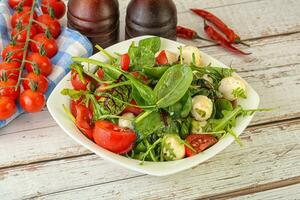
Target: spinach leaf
point(173, 85)
point(220, 105)
point(155, 72)
point(149, 124)
point(147, 58)
point(153, 44)
point(182, 108)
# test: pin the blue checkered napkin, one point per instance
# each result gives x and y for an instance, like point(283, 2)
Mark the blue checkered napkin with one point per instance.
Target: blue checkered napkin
point(71, 43)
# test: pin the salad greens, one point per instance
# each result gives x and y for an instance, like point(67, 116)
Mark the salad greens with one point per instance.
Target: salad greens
point(163, 102)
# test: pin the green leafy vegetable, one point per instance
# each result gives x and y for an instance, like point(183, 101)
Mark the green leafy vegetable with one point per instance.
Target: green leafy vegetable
point(239, 93)
point(173, 85)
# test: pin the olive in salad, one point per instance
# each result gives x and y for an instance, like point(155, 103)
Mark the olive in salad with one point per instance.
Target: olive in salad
point(154, 105)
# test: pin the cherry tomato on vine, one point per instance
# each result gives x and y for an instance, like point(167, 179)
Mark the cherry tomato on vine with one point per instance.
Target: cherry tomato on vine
point(58, 8)
point(24, 3)
point(52, 24)
point(7, 107)
point(125, 62)
point(38, 63)
point(7, 88)
point(113, 138)
point(32, 101)
point(22, 17)
point(83, 120)
point(135, 110)
point(43, 44)
point(162, 59)
point(199, 142)
point(20, 35)
point(40, 81)
point(13, 52)
point(77, 83)
point(10, 70)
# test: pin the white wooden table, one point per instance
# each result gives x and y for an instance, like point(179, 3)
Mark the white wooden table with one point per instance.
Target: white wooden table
point(38, 160)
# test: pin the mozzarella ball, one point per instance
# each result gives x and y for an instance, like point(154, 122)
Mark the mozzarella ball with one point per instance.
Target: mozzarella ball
point(229, 86)
point(126, 121)
point(171, 57)
point(173, 147)
point(202, 107)
point(187, 55)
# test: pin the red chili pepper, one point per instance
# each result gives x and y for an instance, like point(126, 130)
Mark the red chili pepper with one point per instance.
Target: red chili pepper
point(188, 34)
point(214, 35)
point(230, 34)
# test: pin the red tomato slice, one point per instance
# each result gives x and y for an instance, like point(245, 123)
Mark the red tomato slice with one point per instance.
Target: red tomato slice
point(125, 62)
point(83, 120)
point(77, 83)
point(162, 59)
point(135, 110)
point(199, 142)
point(113, 138)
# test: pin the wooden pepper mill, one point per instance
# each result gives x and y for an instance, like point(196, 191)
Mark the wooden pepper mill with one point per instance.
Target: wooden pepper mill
point(151, 17)
point(96, 19)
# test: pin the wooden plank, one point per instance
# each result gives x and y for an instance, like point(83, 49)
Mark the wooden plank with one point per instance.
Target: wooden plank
point(287, 193)
point(271, 83)
point(267, 156)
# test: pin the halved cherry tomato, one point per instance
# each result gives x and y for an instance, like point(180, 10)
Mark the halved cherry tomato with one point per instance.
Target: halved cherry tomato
point(39, 80)
point(83, 120)
point(113, 138)
point(73, 104)
point(125, 62)
point(199, 142)
point(77, 83)
point(52, 24)
point(41, 44)
point(58, 8)
point(22, 17)
point(10, 70)
point(13, 52)
point(7, 88)
point(7, 107)
point(32, 101)
point(135, 110)
point(14, 3)
point(20, 35)
point(162, 59)
point(38, 62)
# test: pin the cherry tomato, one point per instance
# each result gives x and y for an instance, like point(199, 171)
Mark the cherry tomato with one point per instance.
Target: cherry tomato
point(135, 110)
point(22, 17)
point(14, 3)
point(162, 59)
point(113, 138)
point(199, 142)
point(7, 107)
point(52, 24)
point(42, 63)
point(77, 83)
point(39, 80)
point(100, 73)
point(83, 120)
point(10, 70)
point(32, 101)
point(42, 43)
point(125, 62)
point(20, 35)
point(73, 104)
point(58, 8)
point(7, 88)
point(13, 52)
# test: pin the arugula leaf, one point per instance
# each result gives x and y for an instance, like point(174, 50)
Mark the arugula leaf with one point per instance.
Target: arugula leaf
point(74, 94)
point(220, 105)
point(172, 86)
point(239, 93)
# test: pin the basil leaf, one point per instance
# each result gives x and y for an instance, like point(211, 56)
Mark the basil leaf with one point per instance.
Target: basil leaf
point(153, 44)
point(173, 85)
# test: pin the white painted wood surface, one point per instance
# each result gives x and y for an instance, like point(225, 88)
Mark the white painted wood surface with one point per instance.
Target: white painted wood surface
point(39, 161)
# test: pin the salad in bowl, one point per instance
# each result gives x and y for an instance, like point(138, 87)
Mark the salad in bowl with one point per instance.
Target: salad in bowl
point(150, 104)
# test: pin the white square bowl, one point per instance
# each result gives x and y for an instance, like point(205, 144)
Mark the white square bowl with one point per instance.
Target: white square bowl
point(56, 100)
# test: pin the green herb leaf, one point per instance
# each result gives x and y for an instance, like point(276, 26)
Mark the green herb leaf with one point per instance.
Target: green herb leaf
point(239, 93)
point(173, 85)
